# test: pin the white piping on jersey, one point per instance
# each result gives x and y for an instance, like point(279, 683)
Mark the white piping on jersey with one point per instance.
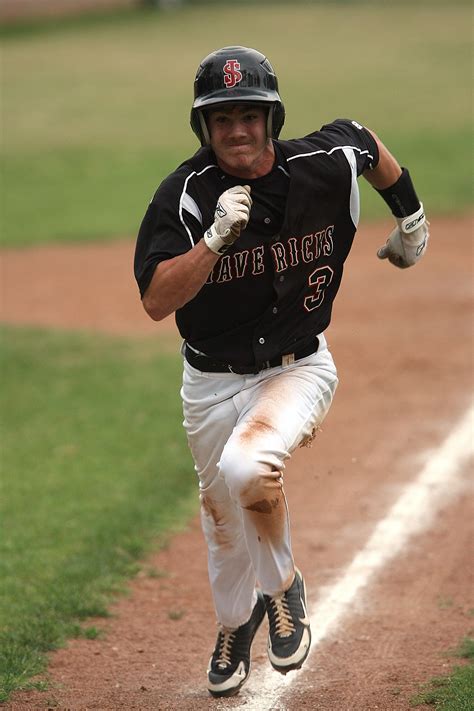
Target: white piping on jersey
point(190, 205)
point(336, 148)
point(354, 202)
point(184, 199)
point(280, 167)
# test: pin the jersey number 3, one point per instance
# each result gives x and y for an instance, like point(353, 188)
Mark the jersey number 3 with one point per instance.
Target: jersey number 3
point(319, 280)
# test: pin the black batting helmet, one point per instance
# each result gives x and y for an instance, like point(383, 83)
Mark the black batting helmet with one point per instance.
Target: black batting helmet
point(238, 75)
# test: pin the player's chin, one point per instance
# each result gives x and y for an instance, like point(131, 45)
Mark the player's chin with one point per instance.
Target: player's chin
point(239, 154)
point(237, 163)
point(240, 159)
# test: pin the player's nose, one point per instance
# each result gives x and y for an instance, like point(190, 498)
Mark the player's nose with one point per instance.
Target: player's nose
point(237, 128)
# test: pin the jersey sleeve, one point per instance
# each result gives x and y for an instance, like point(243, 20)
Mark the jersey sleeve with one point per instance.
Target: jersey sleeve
point(349, 133)
point(168, 229)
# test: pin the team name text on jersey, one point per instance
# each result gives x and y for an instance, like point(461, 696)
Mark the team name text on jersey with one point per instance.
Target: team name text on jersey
point(291, 253)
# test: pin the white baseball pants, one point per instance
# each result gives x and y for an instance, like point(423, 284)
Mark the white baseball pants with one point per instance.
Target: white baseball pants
point(241, 429)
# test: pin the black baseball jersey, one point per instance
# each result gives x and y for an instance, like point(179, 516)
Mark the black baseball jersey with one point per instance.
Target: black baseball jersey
point(273, 290)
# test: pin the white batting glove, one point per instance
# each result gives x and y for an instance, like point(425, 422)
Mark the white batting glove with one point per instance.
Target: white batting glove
point(408, 241)
point(231, 215)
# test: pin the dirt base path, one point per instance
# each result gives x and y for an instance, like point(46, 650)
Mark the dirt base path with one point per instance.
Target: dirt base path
point(401, 340)
point(77, 286)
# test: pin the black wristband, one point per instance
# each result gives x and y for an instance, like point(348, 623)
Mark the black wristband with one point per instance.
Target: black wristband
point(401, 197)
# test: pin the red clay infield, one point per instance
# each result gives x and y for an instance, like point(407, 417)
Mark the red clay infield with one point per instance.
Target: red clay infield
point(402, 343)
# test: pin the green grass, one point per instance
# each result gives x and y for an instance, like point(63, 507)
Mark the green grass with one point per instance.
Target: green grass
point(45, 24)
point(454, 692)
point(96, 113)
point(95, 469)
point(94, 190)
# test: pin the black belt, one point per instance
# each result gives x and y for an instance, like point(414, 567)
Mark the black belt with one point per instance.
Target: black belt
point(209, 365)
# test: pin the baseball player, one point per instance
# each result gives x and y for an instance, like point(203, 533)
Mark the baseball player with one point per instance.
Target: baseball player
point(246, 243)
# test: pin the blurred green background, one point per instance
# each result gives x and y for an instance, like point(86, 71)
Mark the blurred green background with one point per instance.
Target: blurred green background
point(94, 114)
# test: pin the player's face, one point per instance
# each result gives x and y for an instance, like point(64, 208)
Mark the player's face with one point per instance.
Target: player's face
point(239, 140)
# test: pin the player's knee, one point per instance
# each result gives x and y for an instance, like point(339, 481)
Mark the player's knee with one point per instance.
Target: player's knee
point(241, 471)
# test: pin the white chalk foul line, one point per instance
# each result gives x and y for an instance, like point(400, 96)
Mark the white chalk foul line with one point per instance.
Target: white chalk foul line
point(439, 480)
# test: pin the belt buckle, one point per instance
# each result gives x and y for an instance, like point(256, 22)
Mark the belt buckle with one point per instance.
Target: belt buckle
point(287, 359)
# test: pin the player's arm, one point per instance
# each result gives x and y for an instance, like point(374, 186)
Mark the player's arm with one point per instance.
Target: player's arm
point(407, 242)
point(176, 281)
point(387, 171)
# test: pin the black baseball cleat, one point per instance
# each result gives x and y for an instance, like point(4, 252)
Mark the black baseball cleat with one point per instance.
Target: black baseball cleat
point(229, 666)
point(290, 635)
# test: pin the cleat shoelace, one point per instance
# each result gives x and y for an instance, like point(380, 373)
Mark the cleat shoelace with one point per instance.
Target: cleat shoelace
point(226, 639)
point(281, 616)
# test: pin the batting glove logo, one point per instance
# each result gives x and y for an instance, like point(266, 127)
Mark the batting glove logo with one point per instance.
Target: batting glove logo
point(410, 226)
point(421, 247)
point(220, 212)
point(232, 76)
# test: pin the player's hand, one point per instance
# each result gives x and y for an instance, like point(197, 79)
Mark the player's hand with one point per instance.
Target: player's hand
point(408, 241)
point(231, 216)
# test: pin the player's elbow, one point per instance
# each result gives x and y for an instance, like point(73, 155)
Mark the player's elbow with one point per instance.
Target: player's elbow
point(152, 308)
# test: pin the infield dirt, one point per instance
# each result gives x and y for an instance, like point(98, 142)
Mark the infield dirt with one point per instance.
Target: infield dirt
point(403, 345)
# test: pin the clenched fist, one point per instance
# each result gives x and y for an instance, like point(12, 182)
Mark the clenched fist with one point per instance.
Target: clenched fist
point(231, 215)
point(408, 241)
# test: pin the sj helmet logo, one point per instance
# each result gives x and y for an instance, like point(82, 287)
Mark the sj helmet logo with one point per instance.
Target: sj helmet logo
point(232, 75)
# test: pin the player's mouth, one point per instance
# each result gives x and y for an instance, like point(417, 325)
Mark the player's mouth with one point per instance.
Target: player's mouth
point(238, 145)
point(239, 149)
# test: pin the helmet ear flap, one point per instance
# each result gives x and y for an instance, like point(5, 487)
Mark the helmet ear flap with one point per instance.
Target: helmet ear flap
point(199, 126)
point(270, 122)
point(205, 136)
point(276, 119)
